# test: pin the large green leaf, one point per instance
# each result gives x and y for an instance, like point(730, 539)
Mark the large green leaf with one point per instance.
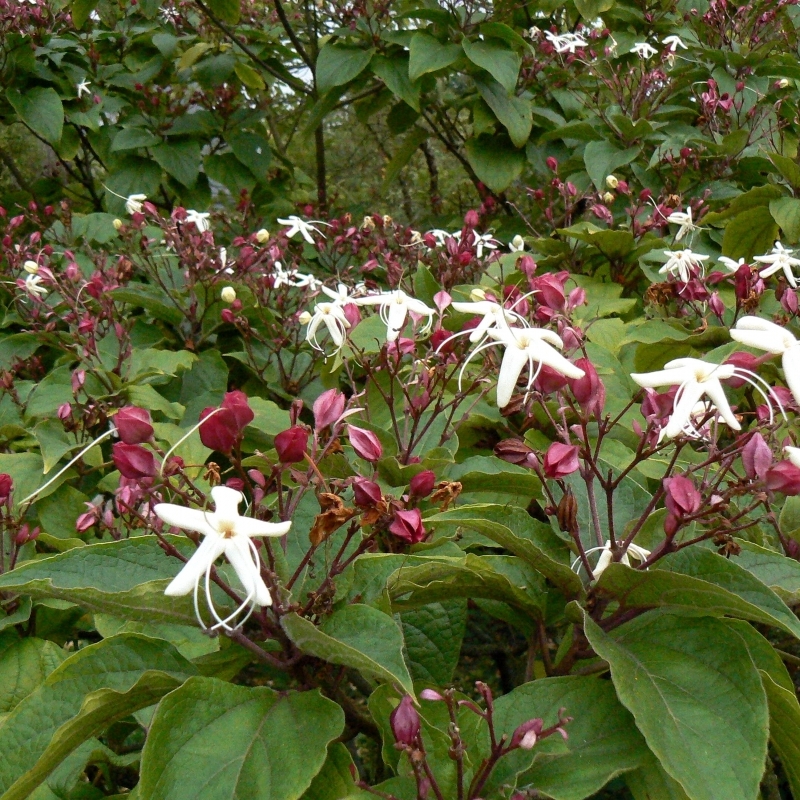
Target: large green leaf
point(96, 686)
point(513, 112)
point(428, 54)
point(520, 534)
point(696, 696)
point(749, 234)
point(227, 10)
point(784, 729)
point(496, 163)
point(786, 212)
point(211, 740)
point(773, 569)
point(603, 741)
point(433, 635)
point(394, 73)
point(505, 578)
point(650, 782)
point(126, 578)
point(702, 581)
point(180, 159)
point(355, 636)
point(335, 780)
point(499, 59)
point(338, 64)
point(24, 664)
point(404, 153)
point(41, 110)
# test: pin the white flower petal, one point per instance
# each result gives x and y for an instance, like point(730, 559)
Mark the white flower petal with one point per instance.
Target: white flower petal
point(515, 358)
point(211, 548)
point(226, 502)
point(239, 554)
point(190, 519)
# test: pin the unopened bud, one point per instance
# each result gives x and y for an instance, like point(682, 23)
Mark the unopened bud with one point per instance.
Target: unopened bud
point(365, 443)
point(304, 318)
point(421, 485)
point(328, 407)
point(477, 294)
point(228, 294)
point(133, 425)
point(117, 223)
point(292, 444)
point(612, 181)
point(608, 198)
point(560, 460)
point(133, 461)
point(262, 235)
point(405, 723)
point(783, 83)
point(31, 267)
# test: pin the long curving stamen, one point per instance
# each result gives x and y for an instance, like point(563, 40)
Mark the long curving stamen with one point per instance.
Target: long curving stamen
point(472, 355)
point(58, 474)
point(751, 378)
point(184, 438)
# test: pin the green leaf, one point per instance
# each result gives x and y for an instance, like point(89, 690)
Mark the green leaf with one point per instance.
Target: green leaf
point(521, 535)
point(40, 109)
point(504, 578)
point(211, 740)
point(603, 741)
point(784, 729)
point(80, 11)
point(226, 10)
point(602, 158)
point(696, 696)
point(133, 138)
point(96, 686)
point(253, 151)
point(514, 113)
point(355, 636)
point(394, 73)
point(338, 64)
point(775, 570)
point(24, 664)
point(126, 578)
point(428, 54)
point(591, 9)
point(788, 168)
point(248, 76)
point(650, 782)
point(226, 169)
point(702, 581)
point(27, 471)
point(433, 636)
point(500, 60)
point(786, 212)
point(151, 298)
point(496, 163)
point(181, 160)
point(750, 234)
point(335, 780)
point(410, 144)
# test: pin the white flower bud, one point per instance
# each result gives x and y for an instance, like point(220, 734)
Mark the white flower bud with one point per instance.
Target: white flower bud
point(608, 198)
point(783, 83)
point(228, 294)
point(476, 295)
point(304, 318)
point(262, 236)
point(117, 223)
point(612, 181)
point(31, 266)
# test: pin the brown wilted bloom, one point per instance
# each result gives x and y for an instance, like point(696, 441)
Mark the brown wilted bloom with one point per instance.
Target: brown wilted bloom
point(659, 294)
point(727, 545)
point(334, 515)
point(212, 473)
point(446, 493)
point(567, 513)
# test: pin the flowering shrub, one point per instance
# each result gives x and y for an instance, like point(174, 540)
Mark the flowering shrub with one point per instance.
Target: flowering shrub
point(273, 487)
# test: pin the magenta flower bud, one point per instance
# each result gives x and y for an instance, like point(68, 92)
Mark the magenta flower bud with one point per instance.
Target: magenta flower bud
point(407, 525)
point(292, 444)
point(784, 478)
point(744, 360)
point(133, 461)
point(85, 521)
point(549, 290)
point(367, 494)
point(6, 487)
point(671, 524)
point(430, 694)
point(365, 443)
point(235, 483)
point(756, 457)
point(405, 723)
point(421, 485)
point(527, 734)
point(681, 498)
point(25, 534)
point(219, 430)
point(352, 313)
point(560, 460)
point(552, 164)
point(257, 477)
point(589, 390)
point(515, 451)
point(471, 218)
point(716, 304)
point(236, 403)
point(78, 379)
point(549, 380)
point(328, 407)
point(133, 424)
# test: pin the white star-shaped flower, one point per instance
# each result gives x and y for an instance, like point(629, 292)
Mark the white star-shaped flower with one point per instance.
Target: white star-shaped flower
point(83, 88)
point(331, 314)
point(779, 259)
point(33, 286)
point(761, 334)
point(200, 219)
point(694, 379)
point(304, 228)
point(639, 553)
point(517, 244)
point(133, 203)
point(483, 241)
point(684, 219)
point(681, 263)
point(565, 42)
point(644, 49)
point(529, 347)
point(394, 308)
point(225, 533)
point(673, 43)
point(494, 316)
